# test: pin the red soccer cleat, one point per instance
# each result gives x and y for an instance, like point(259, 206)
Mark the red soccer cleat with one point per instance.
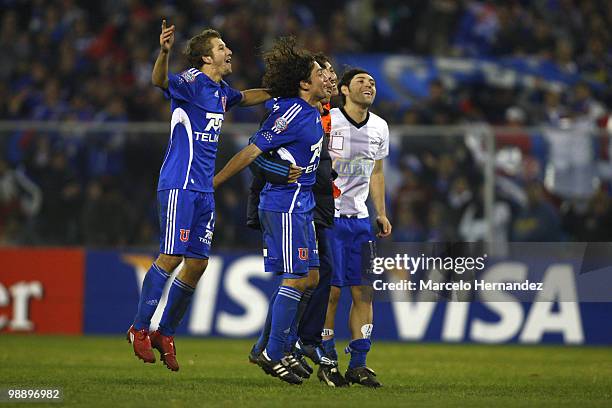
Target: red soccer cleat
point(167, 351)
point(142, 344)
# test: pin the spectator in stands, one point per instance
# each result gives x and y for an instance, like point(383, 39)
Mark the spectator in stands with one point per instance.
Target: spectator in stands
point(571, 170)
point(473, 224)
point(437, 107)
point(459, 196)
point(82, 61)
point(408, 226)
point(20, 201)
point(596, 224)
point(105, 218)
point(538, 221)
point(478, 28)
point(61, 189)
point(439, 226)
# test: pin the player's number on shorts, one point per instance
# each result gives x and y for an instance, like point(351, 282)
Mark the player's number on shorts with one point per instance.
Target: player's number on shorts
point(316, 150)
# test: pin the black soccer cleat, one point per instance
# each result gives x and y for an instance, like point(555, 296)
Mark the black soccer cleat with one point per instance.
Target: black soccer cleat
point(331, 376)
point(296, 366)
point(303, 362)
point(313, 352)
point(254, 358)
point(253, 355)
point(362, 375)
point(278, 369)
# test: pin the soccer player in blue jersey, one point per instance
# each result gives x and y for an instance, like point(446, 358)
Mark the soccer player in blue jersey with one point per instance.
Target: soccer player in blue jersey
point(311, 313)
point(293, 132)
point(199, 99)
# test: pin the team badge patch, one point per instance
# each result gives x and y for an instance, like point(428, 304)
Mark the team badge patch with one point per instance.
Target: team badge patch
point(188, 76)
point(184, 235)
point(336, 141)
point(280, 124)
point(303, 253)
point(223, 102)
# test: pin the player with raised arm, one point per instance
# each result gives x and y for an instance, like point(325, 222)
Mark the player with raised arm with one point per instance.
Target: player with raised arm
point(293, 132)
point(199, 99)
point(359, 142)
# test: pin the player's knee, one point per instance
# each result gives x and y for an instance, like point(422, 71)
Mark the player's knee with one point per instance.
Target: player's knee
point(362, 295)
point(300, 284)
point(195, 267)
point(334, 295)
point(313, 279)
point(168, 262)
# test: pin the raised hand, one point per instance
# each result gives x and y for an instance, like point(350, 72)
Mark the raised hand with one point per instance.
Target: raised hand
point(166, 38)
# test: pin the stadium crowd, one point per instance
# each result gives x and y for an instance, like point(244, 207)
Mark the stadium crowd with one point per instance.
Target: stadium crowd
point(78, 61)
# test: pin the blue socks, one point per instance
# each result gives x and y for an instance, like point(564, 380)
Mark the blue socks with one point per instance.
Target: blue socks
point(329, 346)
point(179, 298)
point(292, 337)
point(359, 350)
point(284, 310)
point(152, 288)
point(262, 341)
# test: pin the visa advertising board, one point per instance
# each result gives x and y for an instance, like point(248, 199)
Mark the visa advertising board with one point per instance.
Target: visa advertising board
point(73, 291)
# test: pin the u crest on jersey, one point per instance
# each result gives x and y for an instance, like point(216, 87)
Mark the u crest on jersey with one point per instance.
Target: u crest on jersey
point(184, 235)
point(303, 254)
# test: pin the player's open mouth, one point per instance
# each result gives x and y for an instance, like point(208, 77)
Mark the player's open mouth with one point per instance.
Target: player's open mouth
point(369, 93)
point(229, 60)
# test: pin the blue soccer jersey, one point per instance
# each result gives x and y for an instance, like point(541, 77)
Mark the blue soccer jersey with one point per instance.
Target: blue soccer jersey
point(293, 132)
point(198, 106)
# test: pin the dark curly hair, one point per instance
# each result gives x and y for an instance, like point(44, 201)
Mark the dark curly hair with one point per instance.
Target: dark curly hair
point(286, 66)
point(200, 46)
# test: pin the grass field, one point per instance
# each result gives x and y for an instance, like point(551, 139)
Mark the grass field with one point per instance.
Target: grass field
point(102, 371)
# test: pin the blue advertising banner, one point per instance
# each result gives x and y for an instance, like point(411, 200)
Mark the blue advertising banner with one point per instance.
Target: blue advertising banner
point(402, 78)
point(231, 300)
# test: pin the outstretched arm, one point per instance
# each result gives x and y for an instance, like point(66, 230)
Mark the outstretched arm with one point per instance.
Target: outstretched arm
point(377, 192)
point(240, 160)
point(159, 77)
point(255, 96)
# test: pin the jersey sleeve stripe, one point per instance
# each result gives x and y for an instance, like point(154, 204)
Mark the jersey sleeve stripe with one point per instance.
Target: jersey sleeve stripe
point(289, 119)
point(290, 110)
point(271, 169)
point(271, 164)
point(194, 71)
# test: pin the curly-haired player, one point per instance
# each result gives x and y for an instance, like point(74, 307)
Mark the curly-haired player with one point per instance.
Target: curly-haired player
point(293, 132)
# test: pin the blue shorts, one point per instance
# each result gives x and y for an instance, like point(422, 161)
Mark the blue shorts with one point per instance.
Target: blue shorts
point(186, 222)
point(349, 239)
point(290, 243)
